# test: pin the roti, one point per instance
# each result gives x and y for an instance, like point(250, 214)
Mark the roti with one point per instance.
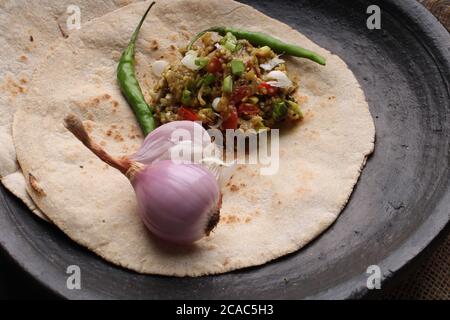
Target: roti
point(262, 217)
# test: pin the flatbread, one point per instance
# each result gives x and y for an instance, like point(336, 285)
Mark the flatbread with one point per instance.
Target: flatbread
point(262, 218)
point(28, 30)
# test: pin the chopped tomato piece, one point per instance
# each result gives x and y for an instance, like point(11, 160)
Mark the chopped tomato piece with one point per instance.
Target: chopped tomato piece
point(187, 114)
point(248, 109)
point(231, 122)
point(214, 65)
point(240, 93)
point(266, 88)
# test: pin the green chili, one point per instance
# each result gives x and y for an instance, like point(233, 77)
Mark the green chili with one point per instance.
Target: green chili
point(279, 110)
point(129, 84)
point(227, 86)
point(237, 67)
point(209, 79)
point(229, 41)
point(253, 100)
point(261, 39)
point(186, 97)
point(201, 62)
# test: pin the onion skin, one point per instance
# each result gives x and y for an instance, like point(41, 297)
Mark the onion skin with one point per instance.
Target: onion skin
point(157, 144)
point(163, 187)
point(179, 203)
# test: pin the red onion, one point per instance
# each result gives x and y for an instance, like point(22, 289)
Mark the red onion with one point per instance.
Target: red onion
point(178, 202)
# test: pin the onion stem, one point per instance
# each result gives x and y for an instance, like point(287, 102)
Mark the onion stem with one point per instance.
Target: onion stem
point(75, 125)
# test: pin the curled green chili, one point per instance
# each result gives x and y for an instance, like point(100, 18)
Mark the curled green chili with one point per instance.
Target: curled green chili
point(261, 39)
point(129, 84)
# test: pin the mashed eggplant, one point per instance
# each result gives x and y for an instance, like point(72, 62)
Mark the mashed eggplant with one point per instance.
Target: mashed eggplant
point(228, 84)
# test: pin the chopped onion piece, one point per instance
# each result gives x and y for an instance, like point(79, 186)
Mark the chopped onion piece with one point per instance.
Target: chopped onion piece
point(159, 66)
point(189, 60)
point(281, 79)
point(218, 46)
point(215, 103)
point(272, 63)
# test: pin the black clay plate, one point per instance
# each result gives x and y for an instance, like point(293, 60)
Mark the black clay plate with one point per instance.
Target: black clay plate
point(399, 205)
